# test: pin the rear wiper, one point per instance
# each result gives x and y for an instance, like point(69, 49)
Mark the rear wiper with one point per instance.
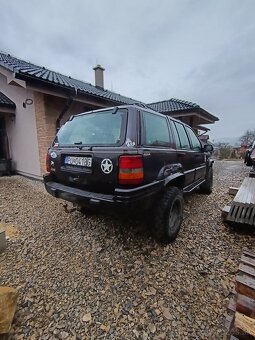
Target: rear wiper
point(77, 143)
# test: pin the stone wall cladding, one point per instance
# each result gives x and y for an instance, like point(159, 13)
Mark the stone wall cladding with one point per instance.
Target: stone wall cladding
point(47, 110)
point(44, 129)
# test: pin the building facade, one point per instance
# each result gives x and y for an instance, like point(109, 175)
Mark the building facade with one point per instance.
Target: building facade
point(35, 102)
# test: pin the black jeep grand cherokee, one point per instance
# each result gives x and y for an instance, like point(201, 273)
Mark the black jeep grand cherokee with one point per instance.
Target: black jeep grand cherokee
point(129, 158)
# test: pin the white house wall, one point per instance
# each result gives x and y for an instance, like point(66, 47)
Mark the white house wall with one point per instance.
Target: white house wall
point(21, 131)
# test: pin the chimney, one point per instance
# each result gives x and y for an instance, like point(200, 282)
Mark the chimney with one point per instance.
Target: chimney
point(99, 76)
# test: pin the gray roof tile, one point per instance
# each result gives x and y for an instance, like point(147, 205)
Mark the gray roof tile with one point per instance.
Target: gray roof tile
point(173, 104)
point(6, 102)
point(25, 68)
point(178, 105)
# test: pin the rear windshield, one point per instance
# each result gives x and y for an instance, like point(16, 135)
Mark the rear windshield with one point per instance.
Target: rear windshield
point(98, 128)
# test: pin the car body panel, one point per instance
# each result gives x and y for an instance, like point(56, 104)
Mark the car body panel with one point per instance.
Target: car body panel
point(98, 184)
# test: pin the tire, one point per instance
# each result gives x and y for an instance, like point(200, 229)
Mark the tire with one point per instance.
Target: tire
point(169, 215)
point(207, 186)
point(249, 162)
point(246, 158)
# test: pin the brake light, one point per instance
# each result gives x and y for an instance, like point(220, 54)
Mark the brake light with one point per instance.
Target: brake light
point(130, 170)
point(48, 166)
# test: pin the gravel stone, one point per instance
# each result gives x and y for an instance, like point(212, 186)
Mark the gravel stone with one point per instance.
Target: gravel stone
point(67, 265)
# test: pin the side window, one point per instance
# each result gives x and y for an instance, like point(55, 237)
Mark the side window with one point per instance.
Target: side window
point(156, 130)
point(196, 145)
point(176, 136)
point(182, 135)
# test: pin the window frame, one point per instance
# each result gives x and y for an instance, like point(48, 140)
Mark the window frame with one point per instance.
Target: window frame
point(187, 128)
point(172, 127)
point(123, 129)
point(169, 146)
point(181, 148)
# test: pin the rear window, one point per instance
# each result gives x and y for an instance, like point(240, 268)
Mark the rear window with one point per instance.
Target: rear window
point(97, 128)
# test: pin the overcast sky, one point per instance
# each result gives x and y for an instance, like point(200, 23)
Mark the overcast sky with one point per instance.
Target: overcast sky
point(197, 50)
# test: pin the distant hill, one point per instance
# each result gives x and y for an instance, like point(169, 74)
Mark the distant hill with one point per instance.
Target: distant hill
point(233, 141)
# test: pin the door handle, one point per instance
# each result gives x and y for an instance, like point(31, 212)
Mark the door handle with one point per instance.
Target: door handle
point(180, 154)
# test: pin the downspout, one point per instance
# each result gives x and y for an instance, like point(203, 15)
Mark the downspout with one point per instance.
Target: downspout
point(66, 107)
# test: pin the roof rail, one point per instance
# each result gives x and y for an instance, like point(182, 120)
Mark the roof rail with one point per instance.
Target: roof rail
point(141, 104)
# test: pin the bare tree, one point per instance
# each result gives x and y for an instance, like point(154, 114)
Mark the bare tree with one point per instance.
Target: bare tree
point(224, 151)
point(248, 138)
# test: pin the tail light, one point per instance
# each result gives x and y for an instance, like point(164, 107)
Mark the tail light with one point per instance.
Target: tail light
point(130, 170)
point(48, 166)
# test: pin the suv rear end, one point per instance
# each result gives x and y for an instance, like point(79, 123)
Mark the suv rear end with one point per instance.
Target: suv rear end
point(95, 161)
point(129, 158)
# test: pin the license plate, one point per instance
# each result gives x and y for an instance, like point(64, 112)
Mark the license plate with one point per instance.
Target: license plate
point(79, 161)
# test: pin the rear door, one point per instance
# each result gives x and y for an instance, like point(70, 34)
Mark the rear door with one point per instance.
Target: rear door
point(87, 149)
point(199, 156)
point(185, 155)
point(158, 150)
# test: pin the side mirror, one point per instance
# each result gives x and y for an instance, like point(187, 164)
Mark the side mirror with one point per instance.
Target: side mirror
point(208, 148)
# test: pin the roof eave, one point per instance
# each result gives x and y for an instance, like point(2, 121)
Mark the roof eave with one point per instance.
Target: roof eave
point(9, 110)
point(198, 110)
point(66, 89)
point(206, 113)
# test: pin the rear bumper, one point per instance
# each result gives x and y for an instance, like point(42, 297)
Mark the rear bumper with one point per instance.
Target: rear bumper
point(139, 198)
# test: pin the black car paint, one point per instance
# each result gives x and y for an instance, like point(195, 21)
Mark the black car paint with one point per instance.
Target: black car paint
point(161, 165)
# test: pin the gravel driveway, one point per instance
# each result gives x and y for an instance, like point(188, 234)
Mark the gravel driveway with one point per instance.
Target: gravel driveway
point(103, 277)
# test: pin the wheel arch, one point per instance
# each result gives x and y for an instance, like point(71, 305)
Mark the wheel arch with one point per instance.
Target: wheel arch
point(210, 163)
point(177, 180)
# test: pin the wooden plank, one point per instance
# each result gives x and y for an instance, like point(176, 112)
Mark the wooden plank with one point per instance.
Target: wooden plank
point(250, 270)
point(242, 300)
point(242, 213)
point(245, 305)
point(242, 192)
point(3, 243)
point(245, 279)
point(233, 191)
point(233, 291)
point(229, 322)
point(243, 218)
point(240, 334)
point(245, 323)
point(246, 193)
point(248, 260)
point(232, 304)
point(8, 304)
point(252, 174)
point(233, 212)
point(250, 253)
point(252, 217)
point(245, 285)
point(225, 211)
